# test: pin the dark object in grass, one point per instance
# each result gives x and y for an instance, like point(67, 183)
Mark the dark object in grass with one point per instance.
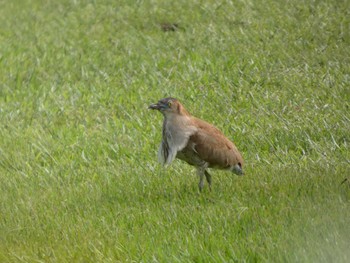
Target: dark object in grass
point(169, 27)
point(345, 181)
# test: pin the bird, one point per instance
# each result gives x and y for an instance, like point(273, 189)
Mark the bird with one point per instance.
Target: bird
point(195, 141)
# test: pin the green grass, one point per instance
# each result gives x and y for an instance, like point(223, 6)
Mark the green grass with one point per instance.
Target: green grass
point(79, 178)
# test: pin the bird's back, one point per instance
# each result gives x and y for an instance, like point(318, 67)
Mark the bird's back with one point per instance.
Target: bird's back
point(210, 145)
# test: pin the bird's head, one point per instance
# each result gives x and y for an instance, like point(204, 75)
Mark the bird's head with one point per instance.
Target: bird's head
point(169, 106)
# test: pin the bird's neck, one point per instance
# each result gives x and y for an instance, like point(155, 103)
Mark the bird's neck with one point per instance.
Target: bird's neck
point(175, 118)
point(178, 113)
point(178, 119)
point(182, 111)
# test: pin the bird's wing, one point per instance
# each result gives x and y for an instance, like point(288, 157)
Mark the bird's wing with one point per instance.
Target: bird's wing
point(213, 147)
point(163, 152)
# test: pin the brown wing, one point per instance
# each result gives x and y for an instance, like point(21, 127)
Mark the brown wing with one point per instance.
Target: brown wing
point(212, 146)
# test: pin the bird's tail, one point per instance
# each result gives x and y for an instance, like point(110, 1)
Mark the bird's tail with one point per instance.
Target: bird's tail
point(237, 169)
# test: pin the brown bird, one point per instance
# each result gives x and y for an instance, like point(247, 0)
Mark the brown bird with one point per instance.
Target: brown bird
point(195, 141)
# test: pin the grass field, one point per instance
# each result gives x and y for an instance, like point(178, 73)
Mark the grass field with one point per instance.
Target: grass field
point(79, 177)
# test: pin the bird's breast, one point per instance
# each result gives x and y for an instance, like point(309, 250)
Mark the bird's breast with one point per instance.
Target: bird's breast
point(176, 133)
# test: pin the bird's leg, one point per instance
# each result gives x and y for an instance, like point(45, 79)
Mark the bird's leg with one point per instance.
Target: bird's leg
point(201, 172)
point(208, 177)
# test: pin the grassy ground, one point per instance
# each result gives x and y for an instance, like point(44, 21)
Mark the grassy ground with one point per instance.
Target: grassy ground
point(79, 179)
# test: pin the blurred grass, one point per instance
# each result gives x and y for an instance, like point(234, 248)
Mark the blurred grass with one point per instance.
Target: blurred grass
point(79, 179)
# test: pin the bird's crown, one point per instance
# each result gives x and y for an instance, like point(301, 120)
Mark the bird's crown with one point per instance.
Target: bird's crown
point(169, 105)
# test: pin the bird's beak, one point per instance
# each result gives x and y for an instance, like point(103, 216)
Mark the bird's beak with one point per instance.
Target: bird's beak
point(155, 106)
